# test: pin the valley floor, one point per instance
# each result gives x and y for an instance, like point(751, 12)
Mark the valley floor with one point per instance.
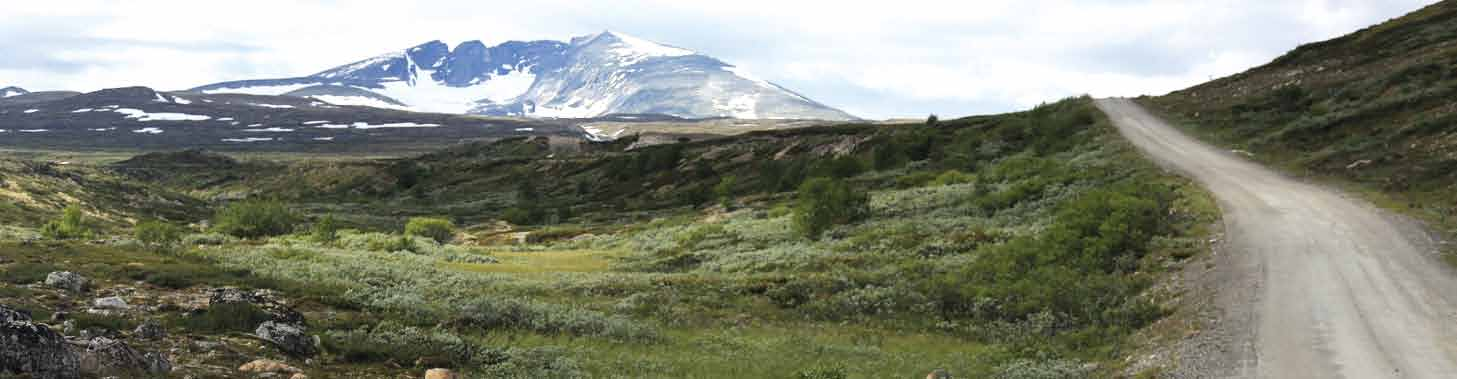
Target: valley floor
point(1027, 245)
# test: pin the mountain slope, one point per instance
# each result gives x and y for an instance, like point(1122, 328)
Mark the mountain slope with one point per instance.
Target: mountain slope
point(596, 75)
point(142, 118)
point(1377, 106)
point(12, 91)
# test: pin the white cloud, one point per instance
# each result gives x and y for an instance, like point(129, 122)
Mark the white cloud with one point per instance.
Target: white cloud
point(901, 58)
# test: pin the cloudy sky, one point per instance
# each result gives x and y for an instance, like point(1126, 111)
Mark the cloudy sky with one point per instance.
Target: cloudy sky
point(901, 58)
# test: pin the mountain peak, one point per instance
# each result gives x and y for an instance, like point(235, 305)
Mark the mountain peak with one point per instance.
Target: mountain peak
point(12, 91)
point(592, 75)
point(628, 49)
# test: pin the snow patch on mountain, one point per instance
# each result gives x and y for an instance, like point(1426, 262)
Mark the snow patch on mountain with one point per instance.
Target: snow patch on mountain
point(431, 96)
point(358, 101)
point(144, 116)
point(261, 90)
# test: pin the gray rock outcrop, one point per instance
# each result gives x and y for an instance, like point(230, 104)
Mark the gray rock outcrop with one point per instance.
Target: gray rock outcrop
point(289, 338)
point(67, 280)
point(33, 349)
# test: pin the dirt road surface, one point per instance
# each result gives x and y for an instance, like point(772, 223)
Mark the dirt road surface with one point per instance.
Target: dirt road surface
point(1319, 284)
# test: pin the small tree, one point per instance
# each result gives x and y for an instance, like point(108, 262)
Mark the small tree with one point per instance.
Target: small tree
point(932, 120)
point(254, 219)
point(824, 202)
point(157, 233)
point(725, 191)
point(71, 225)
point(325, 230)
point(438, 229)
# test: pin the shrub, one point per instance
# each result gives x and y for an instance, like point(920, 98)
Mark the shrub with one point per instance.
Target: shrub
point(824, 372)
point(725, 191)
point(823, 203)
point(390, 341)
point(157, 233)
point(27, 273)
point(554, 234)
point(438, 229)
point(255, 219)
point(952, 177)
point(538, 362)
point(523, 215)
point(71, 225)
point(226, 317)
point(211, 239)
point(325, 230)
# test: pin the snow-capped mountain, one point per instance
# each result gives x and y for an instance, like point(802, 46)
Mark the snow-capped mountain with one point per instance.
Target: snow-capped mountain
point(591, 76)
point(12, 91)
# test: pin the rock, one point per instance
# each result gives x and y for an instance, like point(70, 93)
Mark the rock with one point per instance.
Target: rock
point(439, 373)
point(103, 356)
point(67, 280)
point(299, 376)
point(13, 315)
point(33, 349)
point(110, 303)
point(149, 330)
point(289, 338)
point(60, 316)
point(262, 299)
point(268, 365)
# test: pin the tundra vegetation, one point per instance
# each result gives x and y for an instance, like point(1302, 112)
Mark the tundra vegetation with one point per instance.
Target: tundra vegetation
point(1018, 246)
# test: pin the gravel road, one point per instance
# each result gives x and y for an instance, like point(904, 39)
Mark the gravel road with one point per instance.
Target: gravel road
point(1318, 284)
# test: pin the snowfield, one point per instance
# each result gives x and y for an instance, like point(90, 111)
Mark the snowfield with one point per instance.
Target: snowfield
point(141, 115)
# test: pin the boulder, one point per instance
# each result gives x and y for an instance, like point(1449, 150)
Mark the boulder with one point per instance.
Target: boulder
point(262, 299)
point(289, 338)
point(440, 373)
point(110, 303)
point(103, 357)
point(149, 330)
point(67, 280)
point(268, 366)
point(299, 376)
point(13, 315)
point(33, 350)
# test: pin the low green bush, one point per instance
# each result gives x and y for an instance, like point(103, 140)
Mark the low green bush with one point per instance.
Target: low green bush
point(326, 230)
point(27, 272)
point(255, 219)
point(554, 234)
point(393, 342)
point(823, 203)
point(71, 225)
point(158, 233)
point(438, 229)
point(224, 318)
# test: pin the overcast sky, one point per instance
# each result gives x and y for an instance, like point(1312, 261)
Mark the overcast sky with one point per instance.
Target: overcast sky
point(879, 60)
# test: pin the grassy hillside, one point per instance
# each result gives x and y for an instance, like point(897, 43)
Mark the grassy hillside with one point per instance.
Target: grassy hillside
point(32, 192)
point(1376, 108)
point(1021, 246)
